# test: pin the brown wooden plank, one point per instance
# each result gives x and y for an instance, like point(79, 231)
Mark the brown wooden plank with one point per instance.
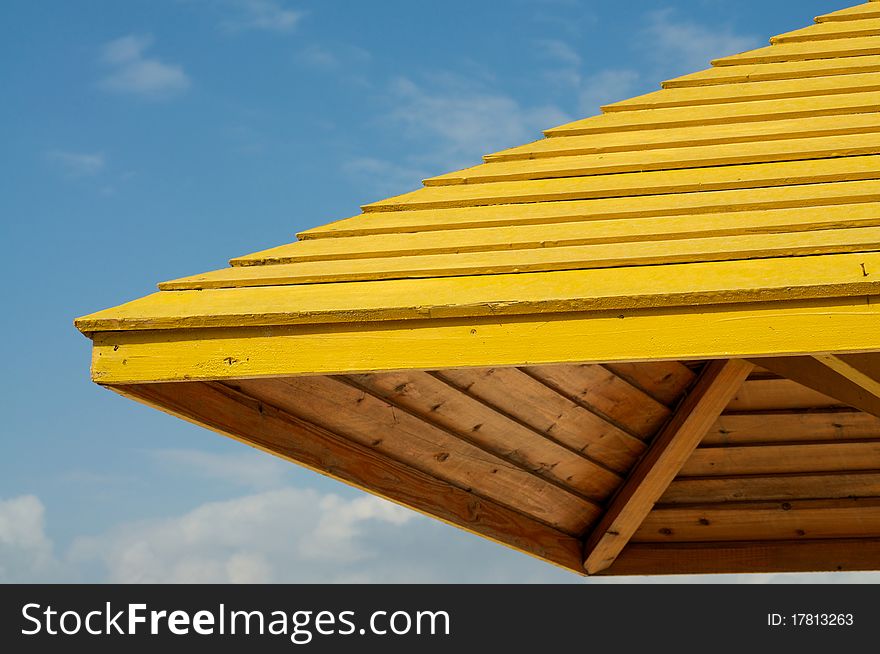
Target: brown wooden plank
point(665, 381)
point(516, 394)
point(746, 557)
point(374, 423)
point(443, 405)
point(601, 391)
point(778, 394)
point(861, 369)
point(653, 473)
point(744, 428)
point(840, 518)
point(276, 432)
point(782, 459)
point(705, 490)
point(815, 375)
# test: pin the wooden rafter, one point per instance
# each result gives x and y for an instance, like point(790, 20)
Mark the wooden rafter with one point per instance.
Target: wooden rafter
point(667, 454)
point(861, 369)
point(825, 374)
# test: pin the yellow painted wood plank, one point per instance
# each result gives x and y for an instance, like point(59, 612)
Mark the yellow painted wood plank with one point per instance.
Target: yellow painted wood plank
point(750, 92)
point(847, 145)
point(759, 280)
point(866, 45)
point(767, 329)
point(831, 30)
point(611, 255)
point(721, 114)
point(859, 12)
point(776, 71)
point(733, 200)
point(639, 183)
point(696, 135)
point(567, 234)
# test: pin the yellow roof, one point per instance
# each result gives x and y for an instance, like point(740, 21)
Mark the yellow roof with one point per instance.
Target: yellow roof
point(520, 348)
point(715, 182)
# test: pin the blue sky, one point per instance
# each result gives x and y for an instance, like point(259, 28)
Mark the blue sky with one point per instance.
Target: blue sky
point(147, 140)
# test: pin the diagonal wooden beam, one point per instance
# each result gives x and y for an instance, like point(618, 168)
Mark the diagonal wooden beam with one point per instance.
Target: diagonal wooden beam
point(825, 374)
point(666, 455)
point(861, 369)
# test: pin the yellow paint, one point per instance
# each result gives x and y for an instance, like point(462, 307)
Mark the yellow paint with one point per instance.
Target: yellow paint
point(628, 184)
point(733, 200)
point(760, 280)
point(721, 114)
point(867, 10)
point(831, 30)
point(847, 145)
point(770, 329)
point(867, 45)
point(777, 71)
point(574, 257)
point(568, 234)
point(697, 135)
point(756, 90)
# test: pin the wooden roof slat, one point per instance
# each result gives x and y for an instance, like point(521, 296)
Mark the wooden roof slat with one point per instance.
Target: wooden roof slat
point(696, 203)
point(843, 104)
point(514, 393)
point(600, 289)
point(435, 403)
point(604, 393)
point(746, 73)
point(853, 47)
point(859, 12)
point(778, 394)
point(375, 424)
point(614, 255)
point(795, 149)
point(690, 180)
point(686, 137)
point(664, 381)
point(751, 92)
point(783, 459)
point(773, 487)
point(792, 426)
point(851, 554)
point(591, 232)
point(672, 447)
point(865, 26)
point(823, 518)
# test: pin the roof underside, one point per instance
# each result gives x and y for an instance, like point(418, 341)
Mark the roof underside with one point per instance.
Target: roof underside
point(643, 344)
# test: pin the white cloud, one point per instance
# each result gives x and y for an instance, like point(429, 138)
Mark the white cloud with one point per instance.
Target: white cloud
point(78, 164)
point(461, 121)
point(681, 46)
point(293, 535)
point(280, 535)
point(25, 550)
point(135, 73)
point(268, 15)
